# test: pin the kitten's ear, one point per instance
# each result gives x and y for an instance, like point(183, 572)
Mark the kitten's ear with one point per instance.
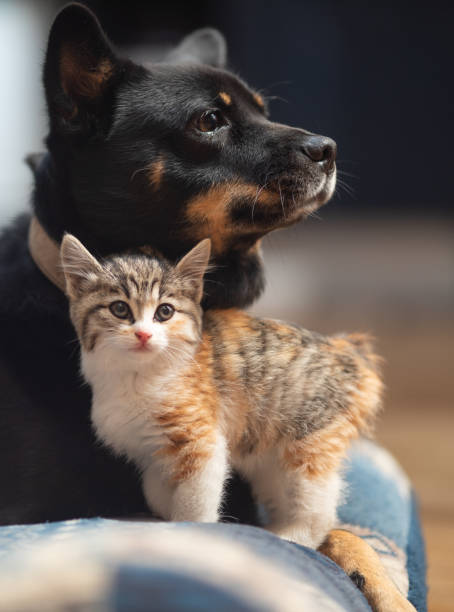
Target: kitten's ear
point(194, 265)
point(79, 265)
point(204, 46)
point(79, 71)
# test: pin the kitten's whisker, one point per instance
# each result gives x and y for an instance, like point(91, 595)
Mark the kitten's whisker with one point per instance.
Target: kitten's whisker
point(231, 518)
point(180, 352)
point(189, 356)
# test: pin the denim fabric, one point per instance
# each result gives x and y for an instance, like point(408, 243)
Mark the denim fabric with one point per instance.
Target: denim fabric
point(142, 565)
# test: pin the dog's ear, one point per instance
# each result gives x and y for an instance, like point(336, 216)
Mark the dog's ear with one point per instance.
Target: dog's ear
point(33, 161)
point(80, 71)
point(205, 46)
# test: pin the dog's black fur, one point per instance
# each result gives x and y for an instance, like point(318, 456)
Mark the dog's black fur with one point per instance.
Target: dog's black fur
point(164, 155)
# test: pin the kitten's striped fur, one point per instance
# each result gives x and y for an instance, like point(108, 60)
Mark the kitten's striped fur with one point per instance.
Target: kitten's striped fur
point(204, 394)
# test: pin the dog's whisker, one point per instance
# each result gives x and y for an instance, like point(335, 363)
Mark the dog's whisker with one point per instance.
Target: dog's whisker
point(349, 174)
point(342, 186)
point(277, 83)
point(280, 98)
point(347, 161)
point(314, 214)
point(346, 187)
point(257, 195)
point(134, 174)
point(282, 202)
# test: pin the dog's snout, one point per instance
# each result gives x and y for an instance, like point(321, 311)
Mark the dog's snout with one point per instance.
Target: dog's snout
point(320, 149)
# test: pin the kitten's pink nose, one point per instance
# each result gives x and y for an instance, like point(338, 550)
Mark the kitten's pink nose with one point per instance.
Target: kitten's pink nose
point(143, 336)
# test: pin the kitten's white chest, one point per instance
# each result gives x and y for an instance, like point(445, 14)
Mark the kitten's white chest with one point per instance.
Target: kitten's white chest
point(123, 413)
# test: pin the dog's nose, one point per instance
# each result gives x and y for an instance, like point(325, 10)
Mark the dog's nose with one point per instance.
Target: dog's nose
point(320, 149)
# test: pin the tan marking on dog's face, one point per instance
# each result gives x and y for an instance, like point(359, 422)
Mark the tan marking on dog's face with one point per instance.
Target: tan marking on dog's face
point(256, 247)
point(225, 97)
point(208, 216)
point(259, 100)
point(156, 173)
point(146, 249)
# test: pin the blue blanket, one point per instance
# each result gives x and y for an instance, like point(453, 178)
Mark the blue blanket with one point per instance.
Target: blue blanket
point(101, 564)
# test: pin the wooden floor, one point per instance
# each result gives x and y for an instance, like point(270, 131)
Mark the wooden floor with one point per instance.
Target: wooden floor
point(395, 279)
point(427, 454)
point(420, 433)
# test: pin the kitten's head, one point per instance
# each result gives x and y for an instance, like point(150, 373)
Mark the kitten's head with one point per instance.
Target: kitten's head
point(135, 309)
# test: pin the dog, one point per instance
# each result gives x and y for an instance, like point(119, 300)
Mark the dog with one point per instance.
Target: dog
point(163, 155)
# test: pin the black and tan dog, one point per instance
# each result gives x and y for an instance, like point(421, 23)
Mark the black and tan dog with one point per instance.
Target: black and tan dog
point(164, 156)
point(160, 156)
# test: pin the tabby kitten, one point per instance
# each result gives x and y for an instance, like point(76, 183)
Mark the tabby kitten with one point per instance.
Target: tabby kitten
point(187, 397)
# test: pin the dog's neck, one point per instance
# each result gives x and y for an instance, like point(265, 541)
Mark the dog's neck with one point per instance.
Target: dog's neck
point(45, 252)
point(237, 279)
point(50, 191)
point(50, 221)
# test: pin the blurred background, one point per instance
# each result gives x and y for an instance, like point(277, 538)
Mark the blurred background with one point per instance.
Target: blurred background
point(376, 77)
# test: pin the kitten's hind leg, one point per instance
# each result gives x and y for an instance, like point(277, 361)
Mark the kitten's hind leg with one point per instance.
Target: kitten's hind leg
point(307, 510)
point(198, 497)
point(300, 509)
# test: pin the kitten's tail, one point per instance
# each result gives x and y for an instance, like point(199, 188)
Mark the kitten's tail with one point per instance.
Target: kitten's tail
point(364, 345)
point(370, 388)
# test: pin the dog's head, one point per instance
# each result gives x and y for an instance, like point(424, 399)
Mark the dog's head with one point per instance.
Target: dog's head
point(169, 154)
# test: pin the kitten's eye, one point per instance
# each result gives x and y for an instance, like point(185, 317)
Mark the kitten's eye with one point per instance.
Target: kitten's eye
point(164, 312)
point(120, 309)
point(210, 121)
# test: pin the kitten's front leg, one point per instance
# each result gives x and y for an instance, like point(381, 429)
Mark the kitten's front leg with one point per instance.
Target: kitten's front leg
point(197, 497)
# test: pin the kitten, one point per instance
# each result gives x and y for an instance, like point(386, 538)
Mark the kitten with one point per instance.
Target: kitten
point(187, 397)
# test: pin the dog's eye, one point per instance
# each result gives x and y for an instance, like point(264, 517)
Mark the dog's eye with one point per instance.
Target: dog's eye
point(120, 309)
point(164, 312)
point(210, 120)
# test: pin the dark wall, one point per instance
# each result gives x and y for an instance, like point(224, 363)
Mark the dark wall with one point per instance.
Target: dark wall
point(376, 76)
